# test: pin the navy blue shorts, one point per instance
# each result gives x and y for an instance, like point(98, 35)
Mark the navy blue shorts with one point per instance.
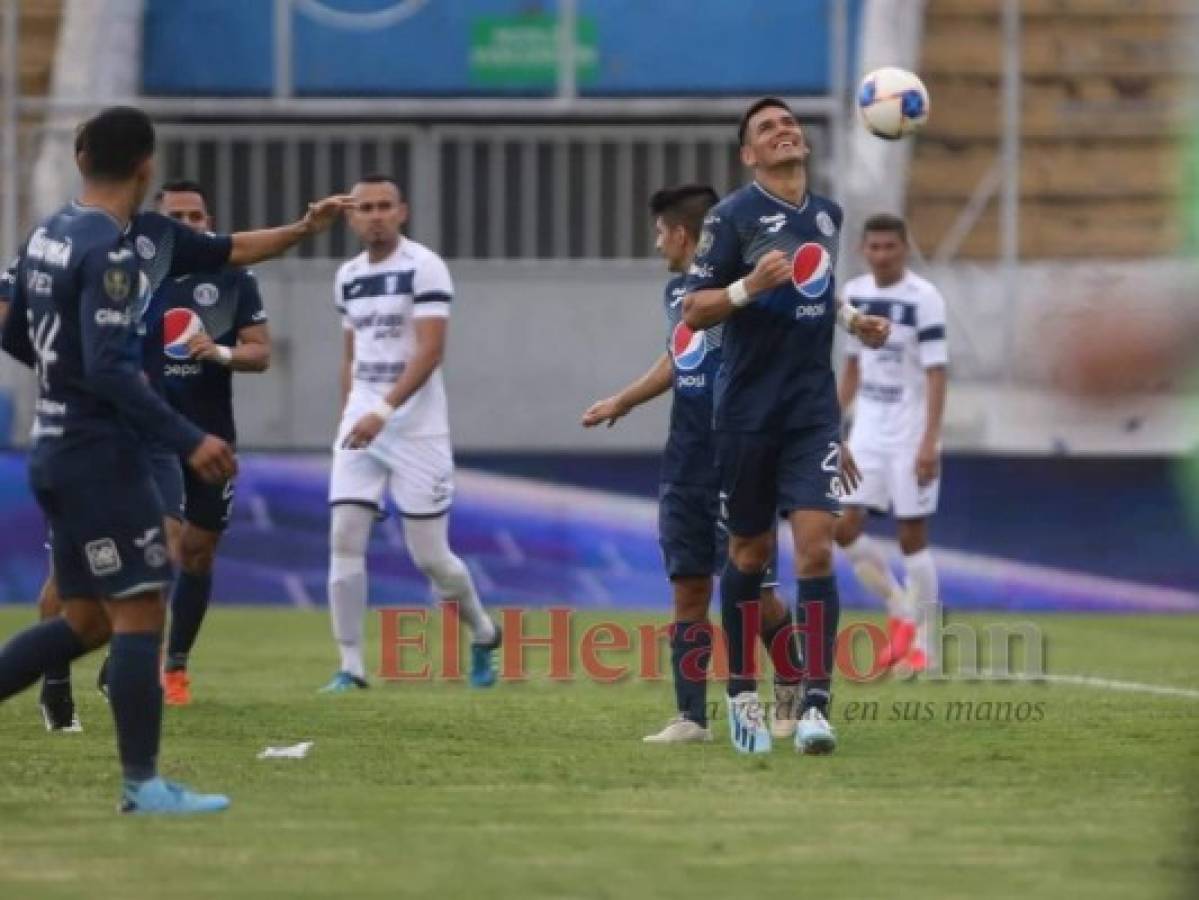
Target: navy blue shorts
point(105, 515)
point(167, 471)
point(694, 541)
point(762, 474)
point(207, 505)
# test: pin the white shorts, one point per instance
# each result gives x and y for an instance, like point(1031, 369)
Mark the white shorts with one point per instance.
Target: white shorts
point(419, 471)
point(889, 482)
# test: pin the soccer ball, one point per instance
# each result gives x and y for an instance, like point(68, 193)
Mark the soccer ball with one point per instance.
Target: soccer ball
point(893, 103)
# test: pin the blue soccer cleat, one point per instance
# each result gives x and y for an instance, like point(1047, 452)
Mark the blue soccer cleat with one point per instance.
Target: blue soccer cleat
point(814, 735)
point(343, 683)
point(159, 797)
point(482, 661)
point(747, 723)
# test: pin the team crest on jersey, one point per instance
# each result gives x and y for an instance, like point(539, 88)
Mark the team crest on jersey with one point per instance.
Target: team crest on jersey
point(687, 347)
point(206, 294)
point(811, 270)
point(117, 285)
point(145, 247)
point(825, 223)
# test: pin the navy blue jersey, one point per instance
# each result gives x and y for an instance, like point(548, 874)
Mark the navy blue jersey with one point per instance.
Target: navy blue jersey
point(776, 373)
point(690, 457)
point(80, 294)
point(221, 304)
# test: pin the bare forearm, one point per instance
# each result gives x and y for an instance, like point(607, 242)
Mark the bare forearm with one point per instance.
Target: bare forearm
point(703, 309)
point(251, 247)
point(847, 389)
point(414, 376)
point(250, 357)
point(653, 383)
point(936, 405)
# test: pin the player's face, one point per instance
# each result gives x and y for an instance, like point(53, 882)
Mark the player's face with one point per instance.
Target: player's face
point(379, 214)
point(773, 138)
point(186, 207)
point(671, 244)
point(885, 253)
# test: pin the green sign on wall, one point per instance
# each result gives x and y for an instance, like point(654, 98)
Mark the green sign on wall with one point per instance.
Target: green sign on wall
point(522, 51)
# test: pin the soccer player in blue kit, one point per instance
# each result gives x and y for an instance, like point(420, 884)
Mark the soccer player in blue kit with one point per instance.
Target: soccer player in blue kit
point(691, 538)
point(764, 269)
point(83, 281)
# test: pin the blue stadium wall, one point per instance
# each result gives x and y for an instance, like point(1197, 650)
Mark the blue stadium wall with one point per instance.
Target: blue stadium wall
point(1013, 534)
point(762, 46)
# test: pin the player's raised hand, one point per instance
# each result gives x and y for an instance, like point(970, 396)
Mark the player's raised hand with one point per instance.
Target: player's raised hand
point(872, 331)
point(607, 410)
point(365, 430)
point(323, 213)
point(773, 269)
point(850, 473)
point(213, 460)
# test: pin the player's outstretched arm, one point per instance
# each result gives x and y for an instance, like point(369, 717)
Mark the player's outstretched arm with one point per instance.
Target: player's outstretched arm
point(252, 353)
point(653, 383)
point(705, 308)
point(250, 247)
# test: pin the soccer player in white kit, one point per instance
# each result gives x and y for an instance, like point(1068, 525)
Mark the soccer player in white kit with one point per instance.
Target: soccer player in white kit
point(896, 437)
point(394, 299)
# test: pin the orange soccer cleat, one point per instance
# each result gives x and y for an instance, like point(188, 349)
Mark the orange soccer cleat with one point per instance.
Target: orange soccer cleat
point(177, 688)
point(901, 633)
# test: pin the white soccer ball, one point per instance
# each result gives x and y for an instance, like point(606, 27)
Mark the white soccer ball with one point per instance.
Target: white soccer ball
point(893, 103)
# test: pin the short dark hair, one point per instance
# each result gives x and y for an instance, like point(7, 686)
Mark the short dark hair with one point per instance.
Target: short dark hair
point(756, 107)
point(684, 205)
point(886, 222)
point(114, 142)
point(380, 178)
point(182, 186)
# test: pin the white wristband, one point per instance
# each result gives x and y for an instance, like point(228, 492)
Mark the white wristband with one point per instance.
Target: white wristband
point(384, 410)
point(847, 316)
point(738, 293)
point(224, 355)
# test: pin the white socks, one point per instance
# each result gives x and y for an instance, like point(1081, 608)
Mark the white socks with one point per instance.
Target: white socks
point(870, 565)
point(924, 593)
point(349, 532)
point(428, 544)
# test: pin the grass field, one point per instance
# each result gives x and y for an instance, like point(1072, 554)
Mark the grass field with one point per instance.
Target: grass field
point(544, 789)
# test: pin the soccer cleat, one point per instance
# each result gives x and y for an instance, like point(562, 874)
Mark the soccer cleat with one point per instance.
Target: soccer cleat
point(159, 797)
point(814, 735)
point(915, 662)
point(343, 683)
point(901, 633)
point(680, 730)
point(747, 723)
point(786, 711)
point(482, 660)
point(176, 688)
point(60, 716)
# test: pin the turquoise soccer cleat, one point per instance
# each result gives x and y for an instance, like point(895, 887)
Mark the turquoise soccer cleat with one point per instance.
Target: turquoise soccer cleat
point(343, 683)
point(159, 797)
point(814, 735)
point(482, 661)
point(747, 723)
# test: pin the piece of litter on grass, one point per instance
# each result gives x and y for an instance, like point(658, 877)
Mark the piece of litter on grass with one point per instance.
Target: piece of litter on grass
point(295, 751)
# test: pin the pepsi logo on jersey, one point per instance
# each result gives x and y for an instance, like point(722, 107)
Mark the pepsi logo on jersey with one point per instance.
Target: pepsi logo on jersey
point(179, 326)
point(687, 347)
point(811, 270)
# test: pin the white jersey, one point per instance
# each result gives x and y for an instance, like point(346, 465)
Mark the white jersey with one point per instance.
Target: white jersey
point(891, 406)
point(378, 303)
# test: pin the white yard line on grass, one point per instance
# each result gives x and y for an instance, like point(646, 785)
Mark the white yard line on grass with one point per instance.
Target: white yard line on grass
point(1110, 684)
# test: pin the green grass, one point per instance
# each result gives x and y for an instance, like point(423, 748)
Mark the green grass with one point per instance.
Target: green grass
point(543, 789)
